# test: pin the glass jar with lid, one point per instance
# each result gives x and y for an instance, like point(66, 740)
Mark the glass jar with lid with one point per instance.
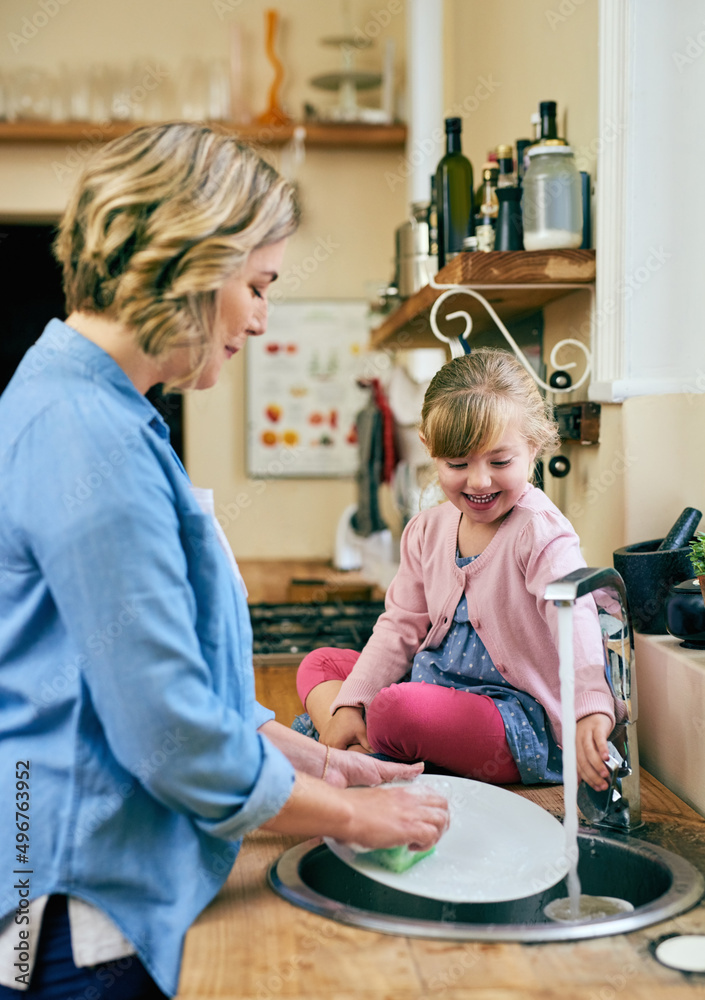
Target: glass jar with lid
point(552, 208)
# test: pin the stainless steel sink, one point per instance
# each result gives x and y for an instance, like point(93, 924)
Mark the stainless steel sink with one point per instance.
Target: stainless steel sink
point(659, 884)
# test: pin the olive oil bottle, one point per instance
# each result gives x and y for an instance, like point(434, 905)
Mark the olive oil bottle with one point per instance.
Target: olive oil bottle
point(454, 193)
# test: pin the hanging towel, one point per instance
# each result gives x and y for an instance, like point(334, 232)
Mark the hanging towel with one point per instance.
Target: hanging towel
point(367, 518)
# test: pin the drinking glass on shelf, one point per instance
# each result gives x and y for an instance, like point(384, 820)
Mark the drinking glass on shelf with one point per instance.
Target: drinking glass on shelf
point(153, 90)
point(219, 91)
point(4, 97)
point(121, 104)
point(31, 91)
point(193, 89)
point(77, 89)
point(100, 93)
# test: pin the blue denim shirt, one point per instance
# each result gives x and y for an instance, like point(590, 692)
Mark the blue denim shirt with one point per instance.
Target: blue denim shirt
point(125, 660)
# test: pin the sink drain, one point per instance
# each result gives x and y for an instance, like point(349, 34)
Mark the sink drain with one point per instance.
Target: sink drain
point(590, 908)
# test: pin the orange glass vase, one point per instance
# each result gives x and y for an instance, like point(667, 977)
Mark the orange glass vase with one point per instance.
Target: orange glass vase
point(275, 114)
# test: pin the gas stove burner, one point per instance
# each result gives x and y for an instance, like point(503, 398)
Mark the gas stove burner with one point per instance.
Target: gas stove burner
point(292, 630)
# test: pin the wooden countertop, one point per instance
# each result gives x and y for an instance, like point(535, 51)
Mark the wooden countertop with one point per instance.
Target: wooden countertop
point(268, 581)
point(252, 945)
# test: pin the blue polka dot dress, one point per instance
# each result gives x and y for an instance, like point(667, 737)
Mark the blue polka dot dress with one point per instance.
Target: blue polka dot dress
point(462, 662)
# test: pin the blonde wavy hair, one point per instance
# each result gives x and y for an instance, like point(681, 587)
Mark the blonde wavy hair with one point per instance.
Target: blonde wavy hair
point(160, 219)
point(472, 400)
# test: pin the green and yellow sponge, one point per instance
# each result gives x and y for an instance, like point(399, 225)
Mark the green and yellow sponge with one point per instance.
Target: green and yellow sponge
point(397, 859)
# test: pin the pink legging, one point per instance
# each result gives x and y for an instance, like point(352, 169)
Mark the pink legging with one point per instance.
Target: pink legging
point(455, 730)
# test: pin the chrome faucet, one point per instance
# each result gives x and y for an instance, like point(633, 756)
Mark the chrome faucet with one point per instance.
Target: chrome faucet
point(619, 807)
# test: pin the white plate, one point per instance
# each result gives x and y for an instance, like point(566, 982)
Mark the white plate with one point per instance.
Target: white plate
point(499, 846)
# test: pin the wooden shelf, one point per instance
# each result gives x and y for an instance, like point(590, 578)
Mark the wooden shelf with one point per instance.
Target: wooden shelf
point(542, 276)
point(321, 134)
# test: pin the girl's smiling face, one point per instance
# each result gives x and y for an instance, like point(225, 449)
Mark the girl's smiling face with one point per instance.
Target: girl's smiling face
point(485, 486)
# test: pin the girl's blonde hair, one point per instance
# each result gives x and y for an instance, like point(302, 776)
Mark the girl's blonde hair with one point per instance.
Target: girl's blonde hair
point(472, 400)
point(160, 219)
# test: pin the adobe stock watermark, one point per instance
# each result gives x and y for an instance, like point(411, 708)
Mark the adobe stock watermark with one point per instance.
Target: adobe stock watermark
point(214, 873)
point(614, 985)
point(632, 282)
point(636, 279)
point(127, 105)
point(98, 642)
point(602, 484)
point(32, 25)
point(379, 19)
point(694, 48)
point(42, 353)
point(587, 154)
point(565, 9)
point(300, 962)
point(697, 387)
point(100, 810)
point(294, 276)
point(462, 963)
point(225, 7)
point(87, 484)
point(423, 147)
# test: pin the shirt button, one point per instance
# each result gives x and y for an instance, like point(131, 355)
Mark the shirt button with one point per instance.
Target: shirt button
point(477, 625)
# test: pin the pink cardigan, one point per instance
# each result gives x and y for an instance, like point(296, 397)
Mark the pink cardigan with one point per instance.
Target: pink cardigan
point(534, 545)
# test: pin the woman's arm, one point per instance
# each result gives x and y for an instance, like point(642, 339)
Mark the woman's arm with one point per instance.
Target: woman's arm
point(371, 817)
point(341, 769)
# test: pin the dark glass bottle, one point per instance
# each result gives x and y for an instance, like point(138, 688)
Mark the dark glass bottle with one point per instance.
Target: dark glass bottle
point(454, 194)
point(505, 159)
point(549, 128)
point(546, 129)
point(433, 220)
point(491, 161)
point(522, 145)
point(487, 207)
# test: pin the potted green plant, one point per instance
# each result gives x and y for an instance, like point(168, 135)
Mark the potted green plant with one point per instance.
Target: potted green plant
point(697, 557)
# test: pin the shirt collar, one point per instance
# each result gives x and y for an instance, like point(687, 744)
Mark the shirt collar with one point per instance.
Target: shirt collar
point(61, 341)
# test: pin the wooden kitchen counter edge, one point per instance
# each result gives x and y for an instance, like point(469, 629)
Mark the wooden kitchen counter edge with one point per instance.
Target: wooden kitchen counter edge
point(251, 944)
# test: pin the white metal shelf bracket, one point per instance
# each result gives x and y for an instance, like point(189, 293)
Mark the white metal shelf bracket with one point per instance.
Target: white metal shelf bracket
point(457, 349)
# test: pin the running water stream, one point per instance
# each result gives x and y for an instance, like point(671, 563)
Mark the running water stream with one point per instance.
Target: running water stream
point(578, 906)
point(570, 766)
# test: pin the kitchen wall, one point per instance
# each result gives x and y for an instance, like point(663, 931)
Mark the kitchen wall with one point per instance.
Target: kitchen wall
point(501, 59)
point(350, 211)
point(647, 340)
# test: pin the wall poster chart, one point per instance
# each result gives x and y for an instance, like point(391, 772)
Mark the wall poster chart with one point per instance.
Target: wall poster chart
point(302, 390)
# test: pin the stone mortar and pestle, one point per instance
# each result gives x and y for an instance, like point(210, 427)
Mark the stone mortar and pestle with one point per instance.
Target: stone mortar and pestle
point(650, 569)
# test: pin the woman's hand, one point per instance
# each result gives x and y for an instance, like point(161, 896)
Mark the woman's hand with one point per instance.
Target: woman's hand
point(591, 750)
point(345, 769)
point(390, 817)
point(387, 816)
point(346, 728)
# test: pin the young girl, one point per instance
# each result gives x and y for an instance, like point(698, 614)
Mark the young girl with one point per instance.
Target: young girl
point(461, 670)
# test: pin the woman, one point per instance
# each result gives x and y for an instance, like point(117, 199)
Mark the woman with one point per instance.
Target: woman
point(134, 754)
